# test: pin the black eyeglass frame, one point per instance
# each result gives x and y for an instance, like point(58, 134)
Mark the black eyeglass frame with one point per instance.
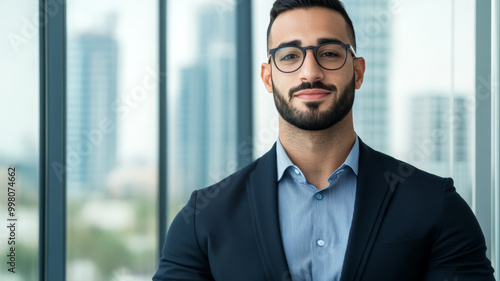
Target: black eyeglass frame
point(272, 53)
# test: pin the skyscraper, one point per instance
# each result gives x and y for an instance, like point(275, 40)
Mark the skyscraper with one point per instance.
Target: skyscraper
point(371, 20)
point(206, 120)
point(91, 121)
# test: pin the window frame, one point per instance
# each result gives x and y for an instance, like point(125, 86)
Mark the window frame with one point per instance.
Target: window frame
point(52, 208)
point(484, 187)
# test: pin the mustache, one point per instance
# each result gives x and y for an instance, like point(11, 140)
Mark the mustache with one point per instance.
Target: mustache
point(314, 85)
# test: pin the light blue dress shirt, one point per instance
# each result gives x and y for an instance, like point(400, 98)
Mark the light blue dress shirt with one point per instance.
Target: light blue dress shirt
point(315, 224)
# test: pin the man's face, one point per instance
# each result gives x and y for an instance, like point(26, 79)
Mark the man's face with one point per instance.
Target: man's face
point(312, 98)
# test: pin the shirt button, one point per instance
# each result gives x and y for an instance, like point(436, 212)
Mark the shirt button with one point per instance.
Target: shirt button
point(297, 171)
point(319, 196)
point(320, 243)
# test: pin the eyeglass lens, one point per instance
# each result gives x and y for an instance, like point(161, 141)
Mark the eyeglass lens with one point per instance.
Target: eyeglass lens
point(330, 56)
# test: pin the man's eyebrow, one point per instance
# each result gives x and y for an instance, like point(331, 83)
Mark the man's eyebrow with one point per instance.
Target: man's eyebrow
point(328, 40)
point(296, 43)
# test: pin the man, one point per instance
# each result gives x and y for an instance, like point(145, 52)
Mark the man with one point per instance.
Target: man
point(322, 205)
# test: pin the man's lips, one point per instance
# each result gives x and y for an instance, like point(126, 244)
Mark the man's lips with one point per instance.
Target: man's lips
point(312, 94)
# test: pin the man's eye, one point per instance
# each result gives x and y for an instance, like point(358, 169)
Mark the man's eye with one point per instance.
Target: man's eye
point(289, 57)
point(329, 54)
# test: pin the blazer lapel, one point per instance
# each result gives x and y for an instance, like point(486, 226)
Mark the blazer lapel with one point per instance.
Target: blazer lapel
point(262, 190)
point(373, 193)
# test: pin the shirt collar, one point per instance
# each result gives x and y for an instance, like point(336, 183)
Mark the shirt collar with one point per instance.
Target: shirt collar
point(283, 161)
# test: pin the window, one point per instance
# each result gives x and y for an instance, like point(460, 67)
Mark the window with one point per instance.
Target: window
point(431, 84)
point(430, 97)
point(112, 140)
point(19, 140)
point(202, 96)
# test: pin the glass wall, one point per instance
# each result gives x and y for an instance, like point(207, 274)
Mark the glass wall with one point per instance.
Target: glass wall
point(417, 104)
point(432, 86)
point(19, 140)
point(201, 64)
point(112, 139)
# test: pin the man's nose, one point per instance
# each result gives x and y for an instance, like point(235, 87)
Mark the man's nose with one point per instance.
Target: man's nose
point(310, 71)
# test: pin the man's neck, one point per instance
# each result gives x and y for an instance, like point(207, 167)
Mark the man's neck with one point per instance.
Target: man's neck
point(318, 153)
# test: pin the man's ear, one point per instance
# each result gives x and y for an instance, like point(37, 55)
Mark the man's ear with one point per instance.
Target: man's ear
point(359, 71)
point(265, 74)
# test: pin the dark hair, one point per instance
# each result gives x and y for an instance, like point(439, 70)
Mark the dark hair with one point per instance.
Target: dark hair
point(281, 6)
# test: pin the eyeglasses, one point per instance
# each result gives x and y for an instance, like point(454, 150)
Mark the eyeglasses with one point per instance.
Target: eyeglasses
point(330, 56)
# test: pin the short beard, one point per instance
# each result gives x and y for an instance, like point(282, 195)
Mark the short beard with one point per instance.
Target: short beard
point(313, 120)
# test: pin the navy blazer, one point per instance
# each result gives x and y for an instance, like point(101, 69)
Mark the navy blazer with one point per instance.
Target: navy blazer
point(407, 225)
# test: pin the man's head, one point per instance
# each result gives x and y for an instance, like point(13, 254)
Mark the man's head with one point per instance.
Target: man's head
point(312, 92)
point(281, 6)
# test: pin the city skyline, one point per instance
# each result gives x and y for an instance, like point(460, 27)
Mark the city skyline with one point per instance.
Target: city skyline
point(394, 16)
point(424, 60)
point(402, 17)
